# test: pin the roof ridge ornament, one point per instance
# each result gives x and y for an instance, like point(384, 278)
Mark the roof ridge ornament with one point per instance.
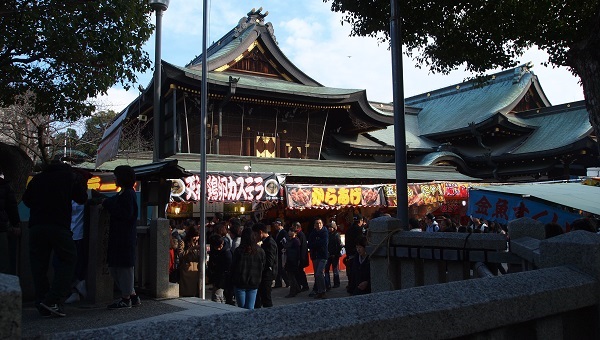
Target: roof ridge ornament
point(520, 71)
point(253, 17)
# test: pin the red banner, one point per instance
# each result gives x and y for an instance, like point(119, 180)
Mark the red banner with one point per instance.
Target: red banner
point(328, 197)
point(418, 194)
point(457, 191)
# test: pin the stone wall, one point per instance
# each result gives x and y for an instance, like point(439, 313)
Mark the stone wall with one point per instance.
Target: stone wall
point(10, 307)
point(522, 305)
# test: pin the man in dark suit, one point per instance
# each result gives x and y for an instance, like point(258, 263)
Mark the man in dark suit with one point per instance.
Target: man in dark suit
point(281, 238)
point(263, 296)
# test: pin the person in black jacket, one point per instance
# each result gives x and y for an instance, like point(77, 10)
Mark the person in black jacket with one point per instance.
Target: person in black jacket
point(292, 261)
point(9, 224)
point(335, 248)
point(352, 235)
point(361, 269)
point(304, 262)
point(48, 196)
point(122, 236)
point(219, 266)
point(263, 298)
point(281, 238)
point(318, 242)
point(246, 269)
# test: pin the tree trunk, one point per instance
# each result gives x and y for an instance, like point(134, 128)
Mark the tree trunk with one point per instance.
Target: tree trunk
point(584, 58)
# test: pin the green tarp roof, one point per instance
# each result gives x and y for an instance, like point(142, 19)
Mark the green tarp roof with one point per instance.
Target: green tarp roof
point(317, 169)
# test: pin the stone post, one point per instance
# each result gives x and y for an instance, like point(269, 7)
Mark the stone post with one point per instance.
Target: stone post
point(526, 226)
point(24, 264)
point(158, 275)
point(10, 307)
point(384, 271)
point(577, 248)
point(99, 281)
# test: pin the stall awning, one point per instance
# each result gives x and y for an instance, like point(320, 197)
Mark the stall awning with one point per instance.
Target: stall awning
point(308, 168)
point(165, 170)
point(573, 195)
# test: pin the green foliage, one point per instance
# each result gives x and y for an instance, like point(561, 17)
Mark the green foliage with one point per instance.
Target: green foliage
point(444, 35)
point(481, 35)
point(65, 52)
point(94, 129)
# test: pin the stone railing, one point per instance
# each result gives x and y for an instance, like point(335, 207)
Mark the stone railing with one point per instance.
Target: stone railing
point(402, 259)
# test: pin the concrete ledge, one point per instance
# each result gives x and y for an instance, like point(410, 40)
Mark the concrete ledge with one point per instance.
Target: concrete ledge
point(436, 311)
point(380, 228)
point(10, 307)
point(451, 240)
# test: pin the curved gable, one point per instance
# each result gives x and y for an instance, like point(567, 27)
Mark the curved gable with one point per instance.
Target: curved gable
point(251, 48)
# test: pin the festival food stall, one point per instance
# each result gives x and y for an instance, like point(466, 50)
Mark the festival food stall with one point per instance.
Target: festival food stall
point(438, 198)
point(560, 203)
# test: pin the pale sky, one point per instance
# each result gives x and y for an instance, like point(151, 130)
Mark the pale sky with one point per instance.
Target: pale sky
point(312, 38)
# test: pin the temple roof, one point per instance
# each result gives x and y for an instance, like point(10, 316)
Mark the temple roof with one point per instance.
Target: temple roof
point(551, 128)
point(414, 141)
point(455, 107)
point(258, 83)
point(251, 32)
point(555, 127)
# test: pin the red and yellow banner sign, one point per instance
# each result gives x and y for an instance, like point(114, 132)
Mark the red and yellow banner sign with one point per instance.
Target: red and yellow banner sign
point(418, 194)
point(333, 196)
point(430, 193)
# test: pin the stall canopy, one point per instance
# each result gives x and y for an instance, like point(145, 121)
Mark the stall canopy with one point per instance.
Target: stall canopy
point(545, 202)
point(572, 195)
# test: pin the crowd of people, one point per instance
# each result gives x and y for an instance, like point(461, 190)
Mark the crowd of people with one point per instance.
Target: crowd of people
point(247, 260)
point(445, 223)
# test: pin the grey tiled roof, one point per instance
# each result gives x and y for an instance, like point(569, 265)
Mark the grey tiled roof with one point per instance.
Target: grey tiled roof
point(224, 45)
point(413, 140)
point(269, 84)
point(554, 128)
point(456, 106)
